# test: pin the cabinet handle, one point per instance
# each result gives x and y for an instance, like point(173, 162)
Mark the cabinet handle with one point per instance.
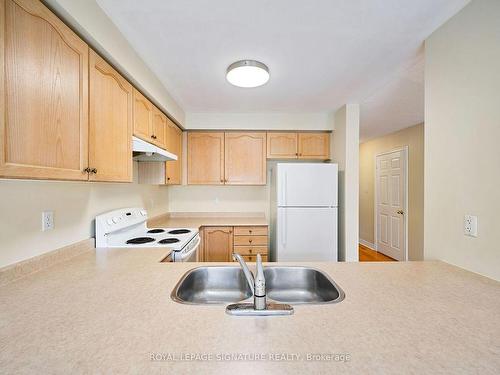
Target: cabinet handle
point(153, 136)
point(296, 154)
point(94, 170)
point(86, 170)
point(249, 231)
point(221, 180)
point(250, 241)
point(168, 178)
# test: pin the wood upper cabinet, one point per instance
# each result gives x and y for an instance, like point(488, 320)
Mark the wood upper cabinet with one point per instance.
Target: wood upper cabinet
point(159, 128)
point(291, 145)
point(245, 158)
point(314, 146)
point(282, 145)
point(143, 117)
point(205, 158)
point(217, 244)
point(174, 145)
point(44, 94)
point(110, 125)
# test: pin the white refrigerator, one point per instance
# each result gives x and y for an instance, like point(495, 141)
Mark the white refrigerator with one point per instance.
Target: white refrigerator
point(304, 212)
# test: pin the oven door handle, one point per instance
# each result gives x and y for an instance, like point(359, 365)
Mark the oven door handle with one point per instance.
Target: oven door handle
point(188, 254)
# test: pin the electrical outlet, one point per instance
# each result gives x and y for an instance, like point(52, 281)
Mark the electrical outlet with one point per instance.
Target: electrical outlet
point(470, 225)
point(47, 220)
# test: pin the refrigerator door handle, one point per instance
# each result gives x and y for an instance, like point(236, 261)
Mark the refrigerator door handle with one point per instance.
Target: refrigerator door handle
point(283, 229)
point(285, 187)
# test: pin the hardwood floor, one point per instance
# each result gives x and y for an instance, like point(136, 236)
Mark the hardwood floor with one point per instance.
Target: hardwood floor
point(369, 255)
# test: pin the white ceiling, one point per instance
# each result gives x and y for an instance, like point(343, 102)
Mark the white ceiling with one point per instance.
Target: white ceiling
point(321, 54)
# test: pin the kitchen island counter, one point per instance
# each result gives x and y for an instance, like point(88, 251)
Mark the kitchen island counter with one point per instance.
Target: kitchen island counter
point(109, 311)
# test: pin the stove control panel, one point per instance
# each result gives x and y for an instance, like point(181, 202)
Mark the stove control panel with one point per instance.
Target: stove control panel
point(117, 220)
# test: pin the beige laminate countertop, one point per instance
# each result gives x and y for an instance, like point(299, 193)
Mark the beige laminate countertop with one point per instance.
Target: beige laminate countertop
point(107, 311)
point(194, 220)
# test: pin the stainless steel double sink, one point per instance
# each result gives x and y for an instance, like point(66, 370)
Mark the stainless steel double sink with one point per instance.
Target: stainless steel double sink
point(227, 284)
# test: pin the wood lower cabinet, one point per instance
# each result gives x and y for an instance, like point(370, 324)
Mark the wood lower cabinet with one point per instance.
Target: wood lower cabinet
point(44, 97)
point(110, 125)
point(314, 146)
point(245, 158)
point(205, 158)
point(217, 244)
point(282, 145)
point(250, 241)
point(253, 258)
point(173, 171)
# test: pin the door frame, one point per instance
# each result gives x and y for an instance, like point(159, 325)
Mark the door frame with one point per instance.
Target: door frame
point(404, 149)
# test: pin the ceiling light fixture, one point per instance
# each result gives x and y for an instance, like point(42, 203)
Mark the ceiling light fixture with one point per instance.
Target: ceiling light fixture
point(247, 73)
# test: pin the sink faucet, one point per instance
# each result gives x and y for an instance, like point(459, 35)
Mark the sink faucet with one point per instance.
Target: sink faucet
point(257, 284)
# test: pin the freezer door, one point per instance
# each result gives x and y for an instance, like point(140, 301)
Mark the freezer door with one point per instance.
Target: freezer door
point(306, 234)
point(307, 185)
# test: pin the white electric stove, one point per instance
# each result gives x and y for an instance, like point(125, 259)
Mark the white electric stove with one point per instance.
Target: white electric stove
point(127, 228)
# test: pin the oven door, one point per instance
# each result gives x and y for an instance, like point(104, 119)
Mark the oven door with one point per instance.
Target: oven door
point(190, 254)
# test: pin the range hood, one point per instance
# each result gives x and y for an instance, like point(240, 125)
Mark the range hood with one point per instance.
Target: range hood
point(145, 151)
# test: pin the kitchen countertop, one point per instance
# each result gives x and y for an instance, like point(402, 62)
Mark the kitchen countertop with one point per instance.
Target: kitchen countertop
point(197, 220)
point(109, 311)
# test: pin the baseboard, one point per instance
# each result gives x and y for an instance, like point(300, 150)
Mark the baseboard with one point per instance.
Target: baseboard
point(368, 244)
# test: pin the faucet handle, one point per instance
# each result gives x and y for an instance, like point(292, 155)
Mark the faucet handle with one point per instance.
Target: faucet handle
point(260, 286)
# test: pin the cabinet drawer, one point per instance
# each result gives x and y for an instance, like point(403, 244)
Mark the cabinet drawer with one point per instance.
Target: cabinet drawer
point(250, 240)
point(250, 231)
point(253, 258)
point(250, 250)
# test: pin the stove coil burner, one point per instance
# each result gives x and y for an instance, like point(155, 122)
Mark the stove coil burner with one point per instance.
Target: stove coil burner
point(179, 231)
point(140, 240)
point(168, 240)
point(154, 231)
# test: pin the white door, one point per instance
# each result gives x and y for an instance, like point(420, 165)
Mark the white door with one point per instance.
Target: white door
point(390, 204)
point(307, 185)
point(306, 234)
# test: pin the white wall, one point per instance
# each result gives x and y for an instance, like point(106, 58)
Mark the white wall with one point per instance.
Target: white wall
point(75, 204)
point(90, 21)
point(462, 131)
point(197, 198)
point(345, 152)
point(272, 121)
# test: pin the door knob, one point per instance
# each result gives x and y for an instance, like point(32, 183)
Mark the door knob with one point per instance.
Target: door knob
point(401, 212)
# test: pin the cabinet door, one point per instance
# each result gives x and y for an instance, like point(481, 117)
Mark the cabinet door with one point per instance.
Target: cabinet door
point(159, 128)
point(218, 244)
point(245, 158)
point(143, 117)
point(44, 95)
point(110, 130)
point(314, 146)
point(282, 145)
point(205, 158)
point(174, 145)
